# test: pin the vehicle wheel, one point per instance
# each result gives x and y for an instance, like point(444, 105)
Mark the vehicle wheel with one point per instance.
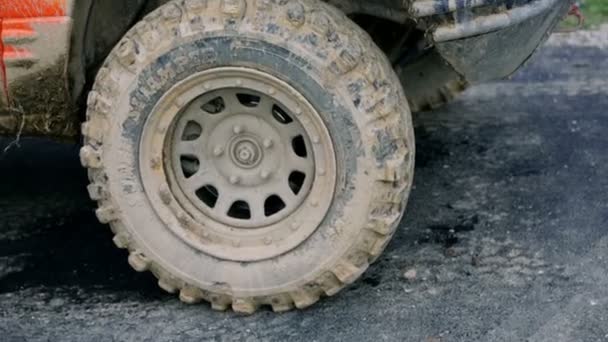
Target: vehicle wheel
point(249, 152)
point(430, 82)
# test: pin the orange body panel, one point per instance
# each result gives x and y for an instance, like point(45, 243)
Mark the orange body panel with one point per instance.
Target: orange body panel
point(19, 22)
point(32, 8)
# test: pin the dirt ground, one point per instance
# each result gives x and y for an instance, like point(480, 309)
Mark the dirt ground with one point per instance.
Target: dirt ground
point(505, 237)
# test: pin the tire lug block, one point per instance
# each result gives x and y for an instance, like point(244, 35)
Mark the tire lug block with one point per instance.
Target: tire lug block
point(167, 285)
point(244, 306)
point(190, 295)
point(139, 262)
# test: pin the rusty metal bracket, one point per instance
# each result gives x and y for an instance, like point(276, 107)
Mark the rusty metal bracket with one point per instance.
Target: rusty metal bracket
point(427, 8)
point(575, 11)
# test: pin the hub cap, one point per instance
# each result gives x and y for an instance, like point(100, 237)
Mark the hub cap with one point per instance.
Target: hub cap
point(240, 157)
point(248, 167)
point(246, 152)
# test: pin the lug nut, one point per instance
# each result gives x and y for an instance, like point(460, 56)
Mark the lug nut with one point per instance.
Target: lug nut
point(237, 129)
point(268, 143)
point(234, 180)
point(165, 195)
point(180, 102)
point(155, 163)
point(218, 151)
point(265, 174)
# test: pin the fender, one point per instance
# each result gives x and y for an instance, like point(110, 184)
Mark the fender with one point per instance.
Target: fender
point(49, 54)
point(35, 38)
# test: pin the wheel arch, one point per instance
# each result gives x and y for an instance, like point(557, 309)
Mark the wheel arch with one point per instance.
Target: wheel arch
point(97, 26)
point(92, 38)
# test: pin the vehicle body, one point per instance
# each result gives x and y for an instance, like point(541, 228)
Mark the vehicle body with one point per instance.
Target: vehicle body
point(52, 51)
point(62, 42)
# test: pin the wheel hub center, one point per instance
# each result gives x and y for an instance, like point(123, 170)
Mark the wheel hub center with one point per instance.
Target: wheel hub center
point(246, 152)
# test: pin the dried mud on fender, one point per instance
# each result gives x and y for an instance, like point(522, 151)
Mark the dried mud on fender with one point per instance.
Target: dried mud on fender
point(41, 106)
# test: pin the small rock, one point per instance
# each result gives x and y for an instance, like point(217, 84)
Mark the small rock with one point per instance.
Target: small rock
point(56, 302)
point(515, 269)
point(450, 252)
point(496, 260)
point(489, 249)
point(514, 279)
point(475, 260)
point(425, 275)
point(453, 252)
point(527, 271)
point(445, 276)
point(537, 263)
point(514, 253)
point(485, 269)
point(410, 275)
point(521, 261)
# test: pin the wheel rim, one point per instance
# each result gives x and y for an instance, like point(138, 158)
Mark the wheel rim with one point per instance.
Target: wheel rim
point(248, 167)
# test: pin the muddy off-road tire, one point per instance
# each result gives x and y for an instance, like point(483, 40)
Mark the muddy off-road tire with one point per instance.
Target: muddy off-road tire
point(249, 153)
point(430, 82)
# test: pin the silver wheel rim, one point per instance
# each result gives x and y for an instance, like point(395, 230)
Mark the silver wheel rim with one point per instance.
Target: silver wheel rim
point(242, 165)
